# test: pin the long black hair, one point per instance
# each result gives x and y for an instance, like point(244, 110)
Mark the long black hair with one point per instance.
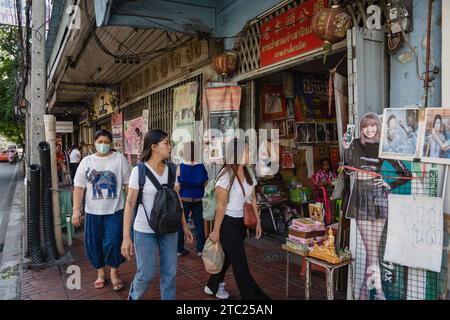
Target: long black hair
point(152, 137)
point(234, 152)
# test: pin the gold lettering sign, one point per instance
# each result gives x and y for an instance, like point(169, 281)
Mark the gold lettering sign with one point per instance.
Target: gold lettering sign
point(164, 68)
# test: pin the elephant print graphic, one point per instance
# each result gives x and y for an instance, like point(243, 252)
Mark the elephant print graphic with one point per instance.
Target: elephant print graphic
point(102, 180)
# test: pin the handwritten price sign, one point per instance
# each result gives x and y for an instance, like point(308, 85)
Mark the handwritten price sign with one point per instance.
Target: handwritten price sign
point(415, 231)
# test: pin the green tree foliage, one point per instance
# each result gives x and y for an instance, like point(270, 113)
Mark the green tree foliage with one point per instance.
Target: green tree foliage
point(10, 60)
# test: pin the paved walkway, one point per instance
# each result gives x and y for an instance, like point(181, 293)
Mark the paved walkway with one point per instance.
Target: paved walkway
point(266, 260)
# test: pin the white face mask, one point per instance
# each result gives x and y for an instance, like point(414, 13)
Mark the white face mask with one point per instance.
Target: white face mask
point(102, 148)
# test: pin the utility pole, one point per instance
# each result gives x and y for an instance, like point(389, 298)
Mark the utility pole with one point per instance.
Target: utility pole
point(38, 79)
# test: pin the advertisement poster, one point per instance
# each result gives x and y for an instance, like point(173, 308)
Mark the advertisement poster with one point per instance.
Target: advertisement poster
point(134, 136)
point(223, 106)
point(311, 97)
point(287, 160)
point(117, 131)
point(184, 102)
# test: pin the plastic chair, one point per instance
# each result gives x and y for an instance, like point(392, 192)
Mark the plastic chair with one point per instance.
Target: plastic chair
point(65, 209)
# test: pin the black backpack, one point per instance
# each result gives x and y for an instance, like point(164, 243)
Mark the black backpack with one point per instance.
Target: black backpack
point(165, 216)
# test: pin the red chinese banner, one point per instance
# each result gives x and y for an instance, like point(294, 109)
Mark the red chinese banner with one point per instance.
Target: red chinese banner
point(290, 33)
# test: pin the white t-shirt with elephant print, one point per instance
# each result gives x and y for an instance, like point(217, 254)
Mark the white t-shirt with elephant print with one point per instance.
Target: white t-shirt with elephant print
point(103, 179)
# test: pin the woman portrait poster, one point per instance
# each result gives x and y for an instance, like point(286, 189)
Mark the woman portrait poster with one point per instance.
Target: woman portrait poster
point(435, 142)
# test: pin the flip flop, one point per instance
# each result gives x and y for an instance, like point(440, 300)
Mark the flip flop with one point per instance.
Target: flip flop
point(99, 284)
point(117, 286)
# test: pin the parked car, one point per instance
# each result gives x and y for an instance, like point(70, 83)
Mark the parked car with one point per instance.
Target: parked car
point(4, 155)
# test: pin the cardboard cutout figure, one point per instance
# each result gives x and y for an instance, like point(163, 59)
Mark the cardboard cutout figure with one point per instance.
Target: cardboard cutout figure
point(368, 202)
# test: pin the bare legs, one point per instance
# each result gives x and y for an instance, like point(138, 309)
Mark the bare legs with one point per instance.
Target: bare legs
point(371, 232)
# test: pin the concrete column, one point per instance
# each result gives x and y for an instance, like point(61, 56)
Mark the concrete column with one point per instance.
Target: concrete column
point(38, 79)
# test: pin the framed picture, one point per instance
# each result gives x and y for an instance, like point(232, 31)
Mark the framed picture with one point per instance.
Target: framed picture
point(290, 107)
point(302, 132)
point(399, 134)
point(280, 125)
point(290, 128)
point(321, 132)
point(435, 136)
point(311, 136)
point(331, 132)
point(273, 103)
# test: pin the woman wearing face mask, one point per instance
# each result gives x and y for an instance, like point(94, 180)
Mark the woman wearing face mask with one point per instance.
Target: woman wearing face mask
point(368, 201)
point(148, 244)
point(104, 175)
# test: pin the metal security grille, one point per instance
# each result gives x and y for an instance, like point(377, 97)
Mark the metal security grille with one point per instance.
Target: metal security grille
point(376, 279)
point(160, 105)
point(134, 110)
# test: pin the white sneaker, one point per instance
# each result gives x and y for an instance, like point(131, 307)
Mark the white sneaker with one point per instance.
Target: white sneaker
point(221, 292)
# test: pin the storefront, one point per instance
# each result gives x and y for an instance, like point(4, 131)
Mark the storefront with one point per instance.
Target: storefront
point(147, 99)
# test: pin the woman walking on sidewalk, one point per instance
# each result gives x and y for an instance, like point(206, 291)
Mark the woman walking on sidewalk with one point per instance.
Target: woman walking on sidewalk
point(192, 177)
point(234, 185)
point(147, 243)
point(104, 175)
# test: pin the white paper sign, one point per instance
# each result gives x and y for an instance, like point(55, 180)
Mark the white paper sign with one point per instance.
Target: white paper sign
point(415, 231)
point(64, 126)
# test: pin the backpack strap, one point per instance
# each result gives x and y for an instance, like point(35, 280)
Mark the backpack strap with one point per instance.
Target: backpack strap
point(141, 172)
point(172, 174)
point(153, 179)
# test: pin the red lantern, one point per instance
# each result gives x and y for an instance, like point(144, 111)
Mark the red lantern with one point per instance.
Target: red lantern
point(226, 64)
point(331, 24)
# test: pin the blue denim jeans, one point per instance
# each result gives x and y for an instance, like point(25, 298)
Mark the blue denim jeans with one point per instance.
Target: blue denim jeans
point(146, 246)
point(197, 216)
point(103, 239)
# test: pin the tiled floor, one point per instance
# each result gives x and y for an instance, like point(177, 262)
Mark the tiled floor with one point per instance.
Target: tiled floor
point(266, 260)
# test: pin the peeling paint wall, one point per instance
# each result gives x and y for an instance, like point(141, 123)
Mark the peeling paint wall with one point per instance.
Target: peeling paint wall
point(405, 87)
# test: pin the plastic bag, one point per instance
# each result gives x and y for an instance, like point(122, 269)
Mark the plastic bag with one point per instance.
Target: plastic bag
point(209, 201)
point(213, 256)
point(339, 187)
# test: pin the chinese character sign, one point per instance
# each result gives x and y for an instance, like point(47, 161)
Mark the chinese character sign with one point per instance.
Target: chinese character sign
point(290, 33)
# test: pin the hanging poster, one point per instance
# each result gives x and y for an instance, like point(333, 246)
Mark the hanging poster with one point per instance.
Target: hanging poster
point(226, 122)
point(302, 132)
point(415, 231)
point(273, 103)
point(435, 137)
point(287, 159)
point(311, 97)
point(290, 128)
point(117, 131)
point(133, 136)
point(223, 105)
point(399, 134)
point(281, 126)
point(184, 102)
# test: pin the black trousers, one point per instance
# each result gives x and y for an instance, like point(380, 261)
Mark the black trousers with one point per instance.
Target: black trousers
point(73, 169)
point(232, 235)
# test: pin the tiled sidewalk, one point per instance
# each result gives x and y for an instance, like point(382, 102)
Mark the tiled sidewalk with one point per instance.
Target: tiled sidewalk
point(267, 267)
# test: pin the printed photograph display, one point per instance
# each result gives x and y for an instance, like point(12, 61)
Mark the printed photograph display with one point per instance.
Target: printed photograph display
point(435, 142)
point(399, 134)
